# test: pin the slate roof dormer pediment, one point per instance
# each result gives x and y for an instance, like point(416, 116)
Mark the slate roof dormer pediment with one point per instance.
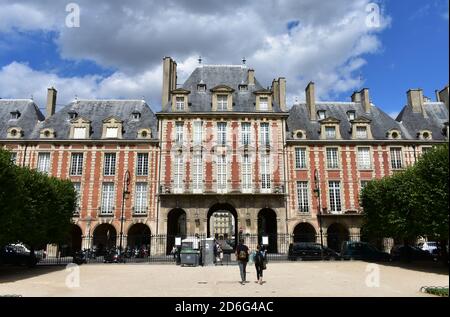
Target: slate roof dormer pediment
point(112, 118)
point(222, 88)
point(80, 120)
point(330, 120)
point(263, 92)
point(361, 120)
point(181, 91)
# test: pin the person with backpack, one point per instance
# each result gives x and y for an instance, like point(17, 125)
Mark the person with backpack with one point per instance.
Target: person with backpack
point(260, 263)
point(242, 253)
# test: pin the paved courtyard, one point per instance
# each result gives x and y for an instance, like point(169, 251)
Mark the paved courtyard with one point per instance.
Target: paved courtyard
point(283, 279)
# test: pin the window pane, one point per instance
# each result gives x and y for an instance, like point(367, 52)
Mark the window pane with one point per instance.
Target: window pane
point(263, 103)
point(107, 198)
point(246, 133)
point(221, 173)
point(180, 103)
point(265, 134)
point(246, 173)
point(221, 133)
point(265, 172)
point(109, 168)
point(334, 189)
point(111, 132)
point(302, 196)
point(330, 132)
point(396, 158)
point(361, 132)
point(197, 173)
point(140, 205)
point(179, 133)
point(178, 174)
point(76, 168)
point(198, 127)
point(142, 164)
point(44, 162)
point(222, 102)
point(332, 158)
point(77, 187)
point(364, 161)
point(79, 133)
point(300, 158)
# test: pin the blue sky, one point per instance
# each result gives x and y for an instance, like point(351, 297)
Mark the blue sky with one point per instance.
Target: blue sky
point(409, 51)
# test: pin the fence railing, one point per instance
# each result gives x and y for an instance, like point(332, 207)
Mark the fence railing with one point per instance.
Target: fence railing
point(159, 248)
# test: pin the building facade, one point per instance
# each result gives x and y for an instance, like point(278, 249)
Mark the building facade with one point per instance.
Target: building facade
point(224, 156)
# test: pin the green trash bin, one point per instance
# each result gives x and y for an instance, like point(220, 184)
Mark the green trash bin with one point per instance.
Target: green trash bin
point(190, 257)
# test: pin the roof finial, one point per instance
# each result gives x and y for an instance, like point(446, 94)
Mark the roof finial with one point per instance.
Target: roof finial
point(76, 98)
point(31, 97)
point(199, 60)
point(244, 60)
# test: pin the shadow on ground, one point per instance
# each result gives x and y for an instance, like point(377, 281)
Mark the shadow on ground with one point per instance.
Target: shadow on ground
point(421, 266)
point(10, 274)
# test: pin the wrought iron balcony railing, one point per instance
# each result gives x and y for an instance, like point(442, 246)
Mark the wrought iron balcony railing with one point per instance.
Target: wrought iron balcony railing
point(271, 188)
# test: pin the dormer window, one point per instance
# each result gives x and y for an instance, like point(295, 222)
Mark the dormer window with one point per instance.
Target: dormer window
point(179, 103)
point(14, 133)
point(424, 135)
point(330, 133)
point(47, 134)
point(144, 134)
point(201, 87)
point(222, 98)
point(263, 103)
point(73, 115)
point(136, 115)
point(112, 128)
point(361, 132)
point(321, 114)
point(243, 87)
point(394, 134)
point(79, 133)
point(15, 115)
point(222, 102)
point(351, 115)
point(299, 134)
point(80, 128)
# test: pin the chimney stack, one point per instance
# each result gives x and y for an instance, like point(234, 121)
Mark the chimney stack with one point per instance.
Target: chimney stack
point(51, 101)
point(415, 100)
point(365, 99)
point(276, 90)
point(356, 97)
point(282, 93)
point(251, 77)
point(310, 92)
point(443, 96)
point(169, 80)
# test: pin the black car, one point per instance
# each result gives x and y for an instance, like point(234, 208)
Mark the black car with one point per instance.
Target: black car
point(310, 251)
point(17, 255)
point(411, 253)
point(353, 250)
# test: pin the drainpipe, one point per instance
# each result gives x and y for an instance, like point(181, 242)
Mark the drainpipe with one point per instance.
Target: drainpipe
point(285, 176)
point(158, 183)
point(24, 154)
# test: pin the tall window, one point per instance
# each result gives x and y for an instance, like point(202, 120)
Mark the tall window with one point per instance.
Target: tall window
point(265, 172)
point(334, 189)
point(265, 134)
point(142, 164)
point(109, 168)
point(361, 132)
point(246, 173)
point(197, 185)
point(179, 133)
point(198, 127)
point(263, 103)
point(77, 187)
point(180, 103)
point(107, 199)
point(300, 157)
point(222, 102)
point(13, 157)
point(332, 158)
point(330, 132)
point(112, 132)
point(246, 132)
point(396, 157)
point(43, 162)
point(178, 174)
point(364, 158)
point(140, 203)
point(302, 196)
point(222, 173)
point(76, 167)
point(221, 133)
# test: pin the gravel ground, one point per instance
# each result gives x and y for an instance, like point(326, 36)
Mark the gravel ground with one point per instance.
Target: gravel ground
point(296, 279)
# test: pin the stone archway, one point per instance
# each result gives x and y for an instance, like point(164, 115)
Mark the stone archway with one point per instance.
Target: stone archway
point(138, 236)
point(304, 232)
point(104, 237)
point(336, 234)
point(267, 226)
point(176, 227)
point(222, 224)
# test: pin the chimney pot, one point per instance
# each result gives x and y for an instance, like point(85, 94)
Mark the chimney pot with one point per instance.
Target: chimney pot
point(51, 101)
point(365, 99)
point(415, 100)
point(444, 95)
point(282, 93)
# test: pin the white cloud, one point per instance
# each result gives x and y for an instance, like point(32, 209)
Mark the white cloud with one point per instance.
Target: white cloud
point(327, 46)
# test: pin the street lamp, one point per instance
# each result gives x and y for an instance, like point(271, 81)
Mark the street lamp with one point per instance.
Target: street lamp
point(125, 192)
point(319, 213)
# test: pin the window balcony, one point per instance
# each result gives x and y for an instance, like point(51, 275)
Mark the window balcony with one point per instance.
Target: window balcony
point(231, 188)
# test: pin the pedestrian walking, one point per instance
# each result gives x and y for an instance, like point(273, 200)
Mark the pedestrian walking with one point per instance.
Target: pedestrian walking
point(242, 253)
point(260, 264)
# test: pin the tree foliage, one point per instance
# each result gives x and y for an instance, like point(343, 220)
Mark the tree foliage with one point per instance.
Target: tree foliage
point(411, 203)
point(35, 209)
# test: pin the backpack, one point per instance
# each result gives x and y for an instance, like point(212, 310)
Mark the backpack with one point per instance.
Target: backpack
point(242, 256)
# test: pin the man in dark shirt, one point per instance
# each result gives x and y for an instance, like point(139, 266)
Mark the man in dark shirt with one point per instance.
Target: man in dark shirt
point(242, 258)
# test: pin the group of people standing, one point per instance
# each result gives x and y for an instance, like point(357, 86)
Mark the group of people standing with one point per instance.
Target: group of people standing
point(258, 256)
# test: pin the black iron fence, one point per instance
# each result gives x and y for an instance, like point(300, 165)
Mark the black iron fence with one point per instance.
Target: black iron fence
point(161, 248)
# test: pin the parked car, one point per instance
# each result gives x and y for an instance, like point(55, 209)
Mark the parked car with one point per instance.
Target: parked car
point(411, 253)
point(17, 255)
point(310, 251)
point(352, 250)
point(429, 246)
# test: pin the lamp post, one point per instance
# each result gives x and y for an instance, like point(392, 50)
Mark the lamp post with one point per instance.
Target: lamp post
point(125, 192)
point(319, 213)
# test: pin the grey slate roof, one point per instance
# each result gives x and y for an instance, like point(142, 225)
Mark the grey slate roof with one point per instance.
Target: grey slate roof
point(437, 115)
point(30, 115)
point(380, 124)
point(98, 110)
point(215, 75)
